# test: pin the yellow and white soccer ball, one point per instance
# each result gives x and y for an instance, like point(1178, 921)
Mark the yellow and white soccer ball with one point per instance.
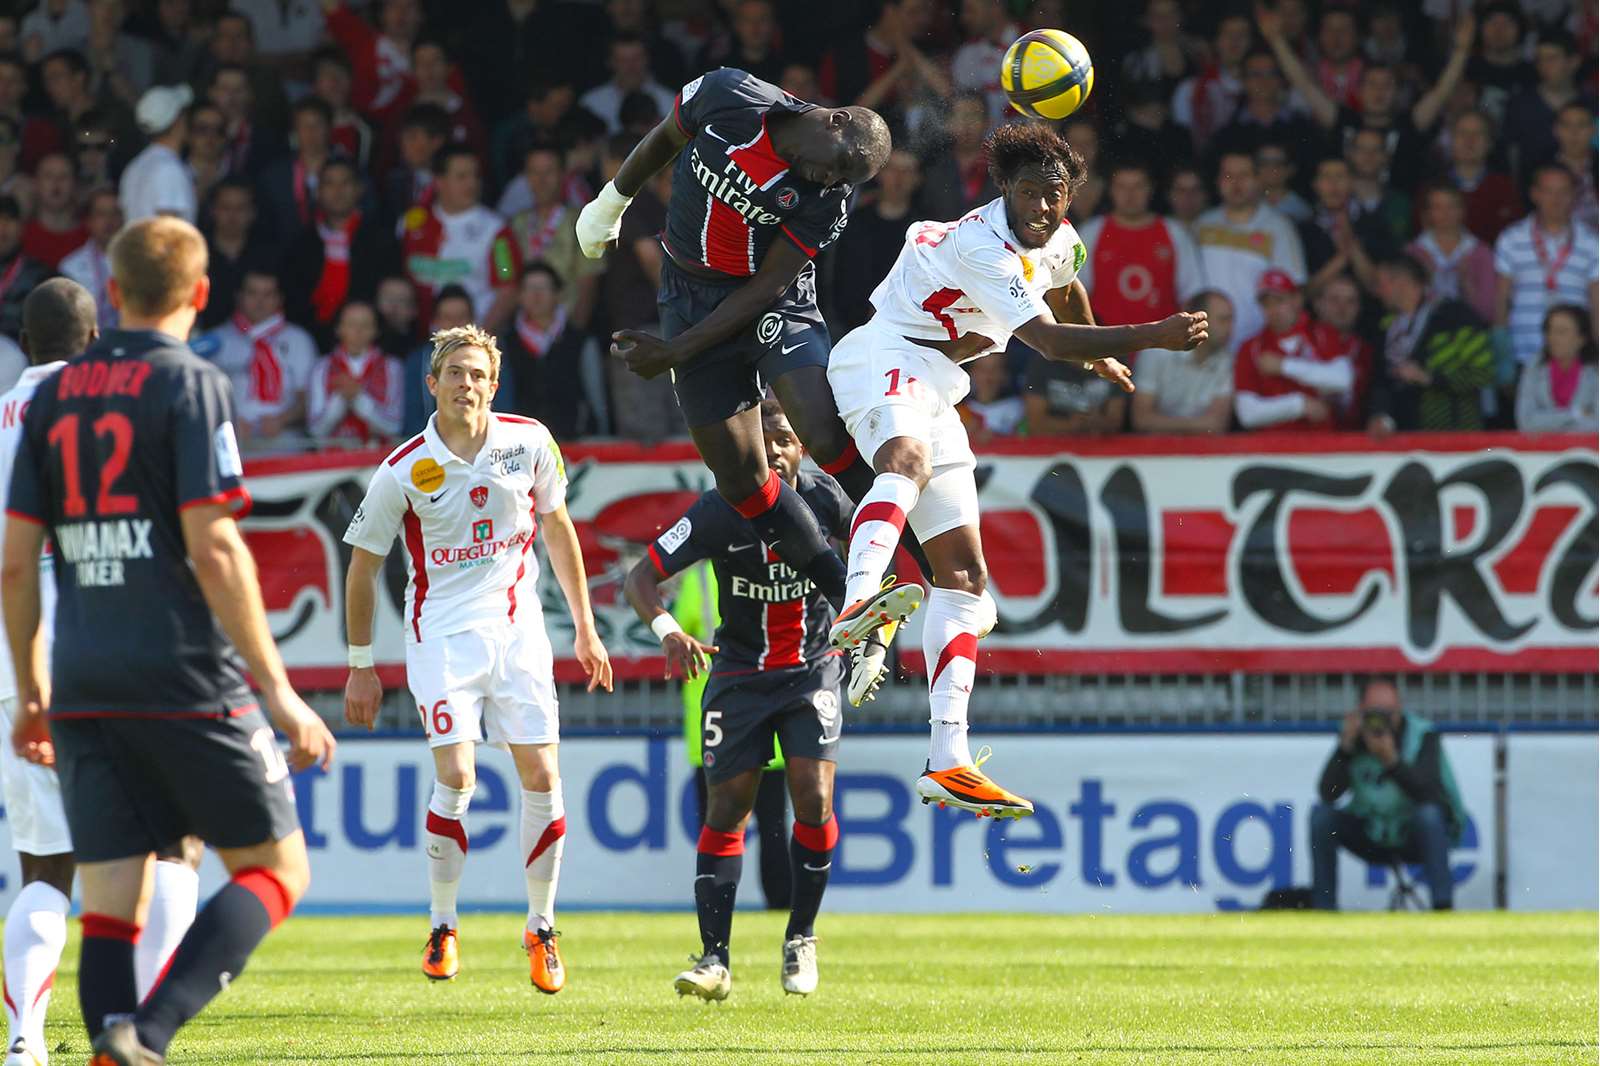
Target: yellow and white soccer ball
point(1047, 74)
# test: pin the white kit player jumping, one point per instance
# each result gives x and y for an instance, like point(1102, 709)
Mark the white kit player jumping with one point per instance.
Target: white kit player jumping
point(466, 496)
point(958, 291)
point(58, 322)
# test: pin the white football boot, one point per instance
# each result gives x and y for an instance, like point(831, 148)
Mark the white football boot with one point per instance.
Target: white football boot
point(708, 978)
point(800, 965)
point(869, 661)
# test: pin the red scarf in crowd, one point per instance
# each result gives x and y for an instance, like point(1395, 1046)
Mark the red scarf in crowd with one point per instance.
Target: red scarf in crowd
point(334, 284)
point(372, 370)
point(537, 340)
point(1339, 80)
point(266, 372)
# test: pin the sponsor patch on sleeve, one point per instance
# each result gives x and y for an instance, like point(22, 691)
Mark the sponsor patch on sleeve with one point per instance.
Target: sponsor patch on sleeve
point(677, 536)
point(226, 445)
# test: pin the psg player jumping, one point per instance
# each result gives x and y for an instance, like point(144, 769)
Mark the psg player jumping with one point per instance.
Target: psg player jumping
point(761, 183)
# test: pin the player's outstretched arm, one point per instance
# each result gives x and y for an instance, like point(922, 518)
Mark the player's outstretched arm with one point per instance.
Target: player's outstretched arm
point(566, 559)
point(601, 218)
point(363, 692)
point(649, 356)
point(19, 576)
point(1070, 304)
point(226, 572)
point(1065, 342)
point(686, 656)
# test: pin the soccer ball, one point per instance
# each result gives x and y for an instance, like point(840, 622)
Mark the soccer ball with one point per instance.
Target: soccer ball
point(1047, 74)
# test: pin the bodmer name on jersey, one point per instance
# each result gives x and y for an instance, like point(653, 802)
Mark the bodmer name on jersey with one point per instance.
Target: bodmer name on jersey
point(733, 187)
point(96, 551)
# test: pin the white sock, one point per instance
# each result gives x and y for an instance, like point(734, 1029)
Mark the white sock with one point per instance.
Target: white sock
point(875, 533)
point(447, 851)
point(36, 931)
point(951, 622)
point(173, 900)
point(544, 836)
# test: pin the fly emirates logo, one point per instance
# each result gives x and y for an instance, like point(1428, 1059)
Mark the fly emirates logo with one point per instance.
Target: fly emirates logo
point(482, 550)
point(733, 187)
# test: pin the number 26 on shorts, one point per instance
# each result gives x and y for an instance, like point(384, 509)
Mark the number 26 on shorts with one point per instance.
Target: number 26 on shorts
point(439, 720)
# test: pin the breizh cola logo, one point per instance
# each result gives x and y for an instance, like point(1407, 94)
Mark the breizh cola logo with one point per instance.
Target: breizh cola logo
point(482, 530)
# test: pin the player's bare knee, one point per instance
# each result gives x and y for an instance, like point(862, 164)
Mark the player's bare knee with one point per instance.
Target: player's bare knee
point(907, 457)
point(462, 780)
point(969, 575)
point(814, 806)
point(291, 866)
point(186, 850)
point(54, 870)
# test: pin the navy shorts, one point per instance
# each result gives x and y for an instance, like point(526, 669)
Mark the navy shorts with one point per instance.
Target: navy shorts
point(742, 714)
point(733, 376)
point(136, 785)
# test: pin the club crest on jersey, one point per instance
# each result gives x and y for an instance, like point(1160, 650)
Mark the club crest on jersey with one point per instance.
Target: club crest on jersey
point(788, 197)
point(479, 496)
point(427, 475)
point(482, 530)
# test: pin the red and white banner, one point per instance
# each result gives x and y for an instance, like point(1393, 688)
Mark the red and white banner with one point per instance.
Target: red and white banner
point(1127, 554)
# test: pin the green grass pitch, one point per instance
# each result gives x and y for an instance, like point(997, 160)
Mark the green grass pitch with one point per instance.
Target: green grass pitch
point(1279, 989)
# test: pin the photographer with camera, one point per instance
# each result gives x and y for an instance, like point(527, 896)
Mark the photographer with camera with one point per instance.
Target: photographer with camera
point(1404, 806)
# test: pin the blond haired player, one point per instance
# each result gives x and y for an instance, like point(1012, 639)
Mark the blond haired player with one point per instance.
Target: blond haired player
point(467, 496)
point(958, 291)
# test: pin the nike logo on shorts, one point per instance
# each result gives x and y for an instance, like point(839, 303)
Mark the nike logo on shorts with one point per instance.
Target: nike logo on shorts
point(824, 868)
point(739, 547)
point(786, 349)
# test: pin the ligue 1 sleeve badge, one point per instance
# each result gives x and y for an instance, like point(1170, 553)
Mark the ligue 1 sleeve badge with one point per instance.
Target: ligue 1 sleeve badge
point(479, 496)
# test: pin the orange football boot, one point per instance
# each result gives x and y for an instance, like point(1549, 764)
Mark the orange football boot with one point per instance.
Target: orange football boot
point(441, 959)
point(895, 602)
point(970, 789)
point(545, 968)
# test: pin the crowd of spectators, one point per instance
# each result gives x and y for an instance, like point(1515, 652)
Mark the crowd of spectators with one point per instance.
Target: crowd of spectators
point(1388, 209)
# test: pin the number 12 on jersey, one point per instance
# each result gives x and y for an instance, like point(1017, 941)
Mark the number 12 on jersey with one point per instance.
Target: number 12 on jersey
point(115, 434)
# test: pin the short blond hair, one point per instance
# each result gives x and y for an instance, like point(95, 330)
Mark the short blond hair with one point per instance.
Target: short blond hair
point(156, 263)
point(455, 338)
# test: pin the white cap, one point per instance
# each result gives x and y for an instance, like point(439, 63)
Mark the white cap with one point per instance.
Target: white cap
point(160, 107)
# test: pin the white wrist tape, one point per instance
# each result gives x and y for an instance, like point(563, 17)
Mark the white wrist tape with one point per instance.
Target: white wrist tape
point(664, 625)
point(360, 656)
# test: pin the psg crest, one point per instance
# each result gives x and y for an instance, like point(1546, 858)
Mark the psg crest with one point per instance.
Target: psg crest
point(480, 495)
point(788, 197)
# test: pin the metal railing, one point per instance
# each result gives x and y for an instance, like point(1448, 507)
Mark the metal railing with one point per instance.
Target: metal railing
point(1115, 700)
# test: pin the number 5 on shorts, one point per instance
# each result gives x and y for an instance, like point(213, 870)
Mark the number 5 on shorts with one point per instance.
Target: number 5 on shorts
point(713, 731)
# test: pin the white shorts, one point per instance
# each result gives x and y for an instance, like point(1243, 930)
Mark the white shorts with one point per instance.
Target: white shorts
point(885, 387)
point(495, 684)
point(33, 799)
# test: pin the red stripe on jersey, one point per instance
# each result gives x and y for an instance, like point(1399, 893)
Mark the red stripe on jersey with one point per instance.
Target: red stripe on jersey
point(520, 420)
point(938, 303)
point(410, 446)
point(961, 646)
point(24, 517)
point(784, 626)
point(727, 240)
point(760, 159)
point(655, 559)
point(804, 247)
point(677, 116)
point(238, 494)
point(522, 565)
point(419, 566)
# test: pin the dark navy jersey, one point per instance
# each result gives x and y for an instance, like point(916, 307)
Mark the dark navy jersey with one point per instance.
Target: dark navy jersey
point(113, 448)
point(732, 194)
point(772, 617)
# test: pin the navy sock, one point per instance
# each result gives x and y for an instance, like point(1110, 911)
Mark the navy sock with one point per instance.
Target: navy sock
point(718, 864)
point(786, 524)
point(213, 953)
point(810, 859)
point(106, 986)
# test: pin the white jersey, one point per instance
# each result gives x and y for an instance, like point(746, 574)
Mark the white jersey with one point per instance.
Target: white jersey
point(973, 277)
point(13, 405)
point(468, 527)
